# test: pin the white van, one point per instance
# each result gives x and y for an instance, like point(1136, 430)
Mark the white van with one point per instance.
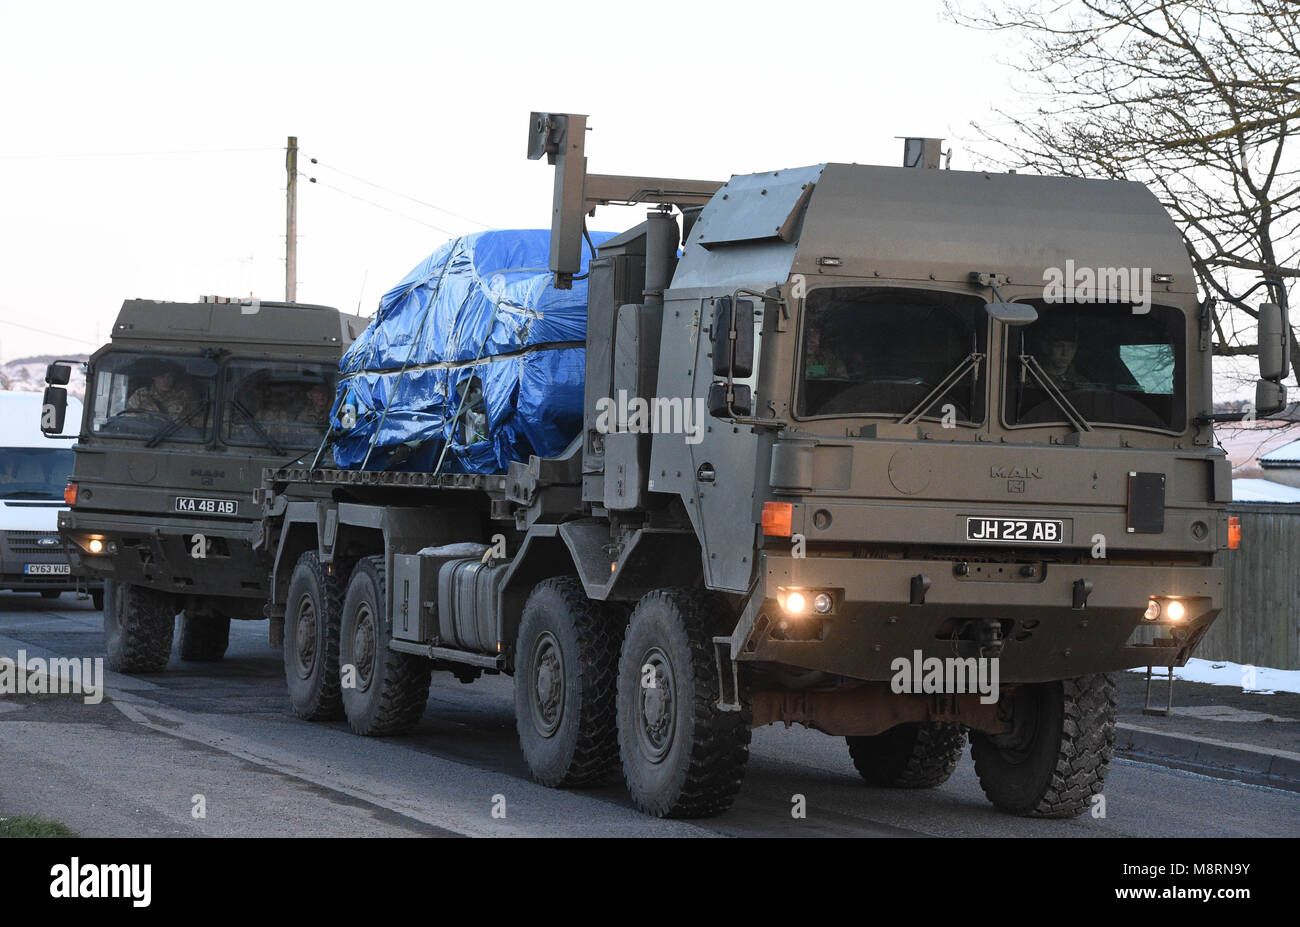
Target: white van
point(33, 472)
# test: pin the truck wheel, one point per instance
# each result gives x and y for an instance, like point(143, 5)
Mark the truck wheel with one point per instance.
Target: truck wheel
point(311, 639)
point(566, 661)
point(918, 755)
point(1057, 756)
point(138, 627)
point(204, 636)
point(682, 757)
point(384, 692)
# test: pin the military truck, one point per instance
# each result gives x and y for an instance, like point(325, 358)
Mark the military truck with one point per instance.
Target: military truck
point(918, 462)
point(185, 407)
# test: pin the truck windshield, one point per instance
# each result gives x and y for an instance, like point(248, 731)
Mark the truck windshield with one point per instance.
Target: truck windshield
point(1113, 366)
point(277, 404)
point(142, 396)
point(884, 350)
point(34, 472)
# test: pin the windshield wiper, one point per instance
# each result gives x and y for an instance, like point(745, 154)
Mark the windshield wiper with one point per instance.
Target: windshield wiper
point(262, 432)
point(1077, 421)
point(172, 427)
point(971, 362)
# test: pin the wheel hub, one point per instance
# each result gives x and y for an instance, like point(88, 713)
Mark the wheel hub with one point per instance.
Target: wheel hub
point(364, 647)
point(547, 689)
point(305, 637)
point(658, 716)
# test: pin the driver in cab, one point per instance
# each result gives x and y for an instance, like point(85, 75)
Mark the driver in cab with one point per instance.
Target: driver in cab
point(165, 395)
point(1058, 343)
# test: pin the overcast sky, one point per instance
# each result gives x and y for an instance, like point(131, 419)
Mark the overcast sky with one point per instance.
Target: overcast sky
point(424, 99)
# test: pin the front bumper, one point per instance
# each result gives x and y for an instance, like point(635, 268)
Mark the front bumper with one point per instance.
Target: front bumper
point(1046, 635)
point(159, 552)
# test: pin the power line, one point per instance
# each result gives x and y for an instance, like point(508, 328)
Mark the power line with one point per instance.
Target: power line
point(41, 331)
point(380, 206)
point(339, 170)
point(131, 154)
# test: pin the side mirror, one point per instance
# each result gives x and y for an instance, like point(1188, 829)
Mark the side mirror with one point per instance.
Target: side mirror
point(54, 409)
point(58, 374)
point(1274, 343)
point(719, 407)
point(1012, 315)
point(1270, 397)
point(733, 358)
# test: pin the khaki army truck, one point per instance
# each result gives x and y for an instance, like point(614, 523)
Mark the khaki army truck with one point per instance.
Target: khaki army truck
point(184, 408)
point(941, 488)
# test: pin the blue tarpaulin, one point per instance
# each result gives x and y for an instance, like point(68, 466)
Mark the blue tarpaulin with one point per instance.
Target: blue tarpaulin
point(472, 361)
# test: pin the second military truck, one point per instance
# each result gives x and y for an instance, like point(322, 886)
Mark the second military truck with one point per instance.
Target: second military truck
point(184, 408)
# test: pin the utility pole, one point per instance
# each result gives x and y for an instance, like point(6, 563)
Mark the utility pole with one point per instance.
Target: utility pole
point(291, 223)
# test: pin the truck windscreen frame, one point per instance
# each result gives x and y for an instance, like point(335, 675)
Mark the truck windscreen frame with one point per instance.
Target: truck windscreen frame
point(881, 350)
point(137, 396)
point(1118, 368)
point(268, 402)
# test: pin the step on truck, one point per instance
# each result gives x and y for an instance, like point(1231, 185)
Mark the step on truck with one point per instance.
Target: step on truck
point(185, 407)
point(940, 490)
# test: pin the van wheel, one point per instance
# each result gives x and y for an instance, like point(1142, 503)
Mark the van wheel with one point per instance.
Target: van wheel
point(311, 639)
point(205, 635)
point(566, 661)
point(138, 628)
point(1058, 753)
point(384, 691)
point(682, 757)
point(910, 756)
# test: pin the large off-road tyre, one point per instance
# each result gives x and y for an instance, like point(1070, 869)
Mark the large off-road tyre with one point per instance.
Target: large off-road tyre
point(138, 628)
point(204, 635)
point(682, 756)
point(918, 755)
point(566, 665)
point(1057, 756)
point(311, 639)
point(384, 692)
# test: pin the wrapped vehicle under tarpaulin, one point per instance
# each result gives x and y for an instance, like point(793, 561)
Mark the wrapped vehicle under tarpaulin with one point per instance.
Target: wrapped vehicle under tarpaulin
point(472, 361)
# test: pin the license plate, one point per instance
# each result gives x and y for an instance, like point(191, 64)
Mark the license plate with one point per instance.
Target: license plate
point(206, 506)
point(1016, 530)
point(46, 569)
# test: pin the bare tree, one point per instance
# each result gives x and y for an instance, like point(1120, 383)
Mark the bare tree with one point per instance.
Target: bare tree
point(1194, 98)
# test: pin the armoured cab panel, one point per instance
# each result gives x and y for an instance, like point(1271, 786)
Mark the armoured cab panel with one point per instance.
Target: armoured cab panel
point(635, 408)
point(617, 278)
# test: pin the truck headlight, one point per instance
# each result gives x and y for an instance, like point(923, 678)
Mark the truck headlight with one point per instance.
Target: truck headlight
point(95, 546)
point(1175, 610)
point(795, 603)
point(1153, 611)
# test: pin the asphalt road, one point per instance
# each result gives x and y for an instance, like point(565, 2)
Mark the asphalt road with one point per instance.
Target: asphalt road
point(219, 738)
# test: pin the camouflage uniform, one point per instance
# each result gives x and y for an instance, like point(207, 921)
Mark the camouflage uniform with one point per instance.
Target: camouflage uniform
point(175, 403)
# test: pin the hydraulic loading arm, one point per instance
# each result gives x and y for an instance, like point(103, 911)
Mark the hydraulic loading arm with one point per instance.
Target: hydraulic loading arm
point(562, 138)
